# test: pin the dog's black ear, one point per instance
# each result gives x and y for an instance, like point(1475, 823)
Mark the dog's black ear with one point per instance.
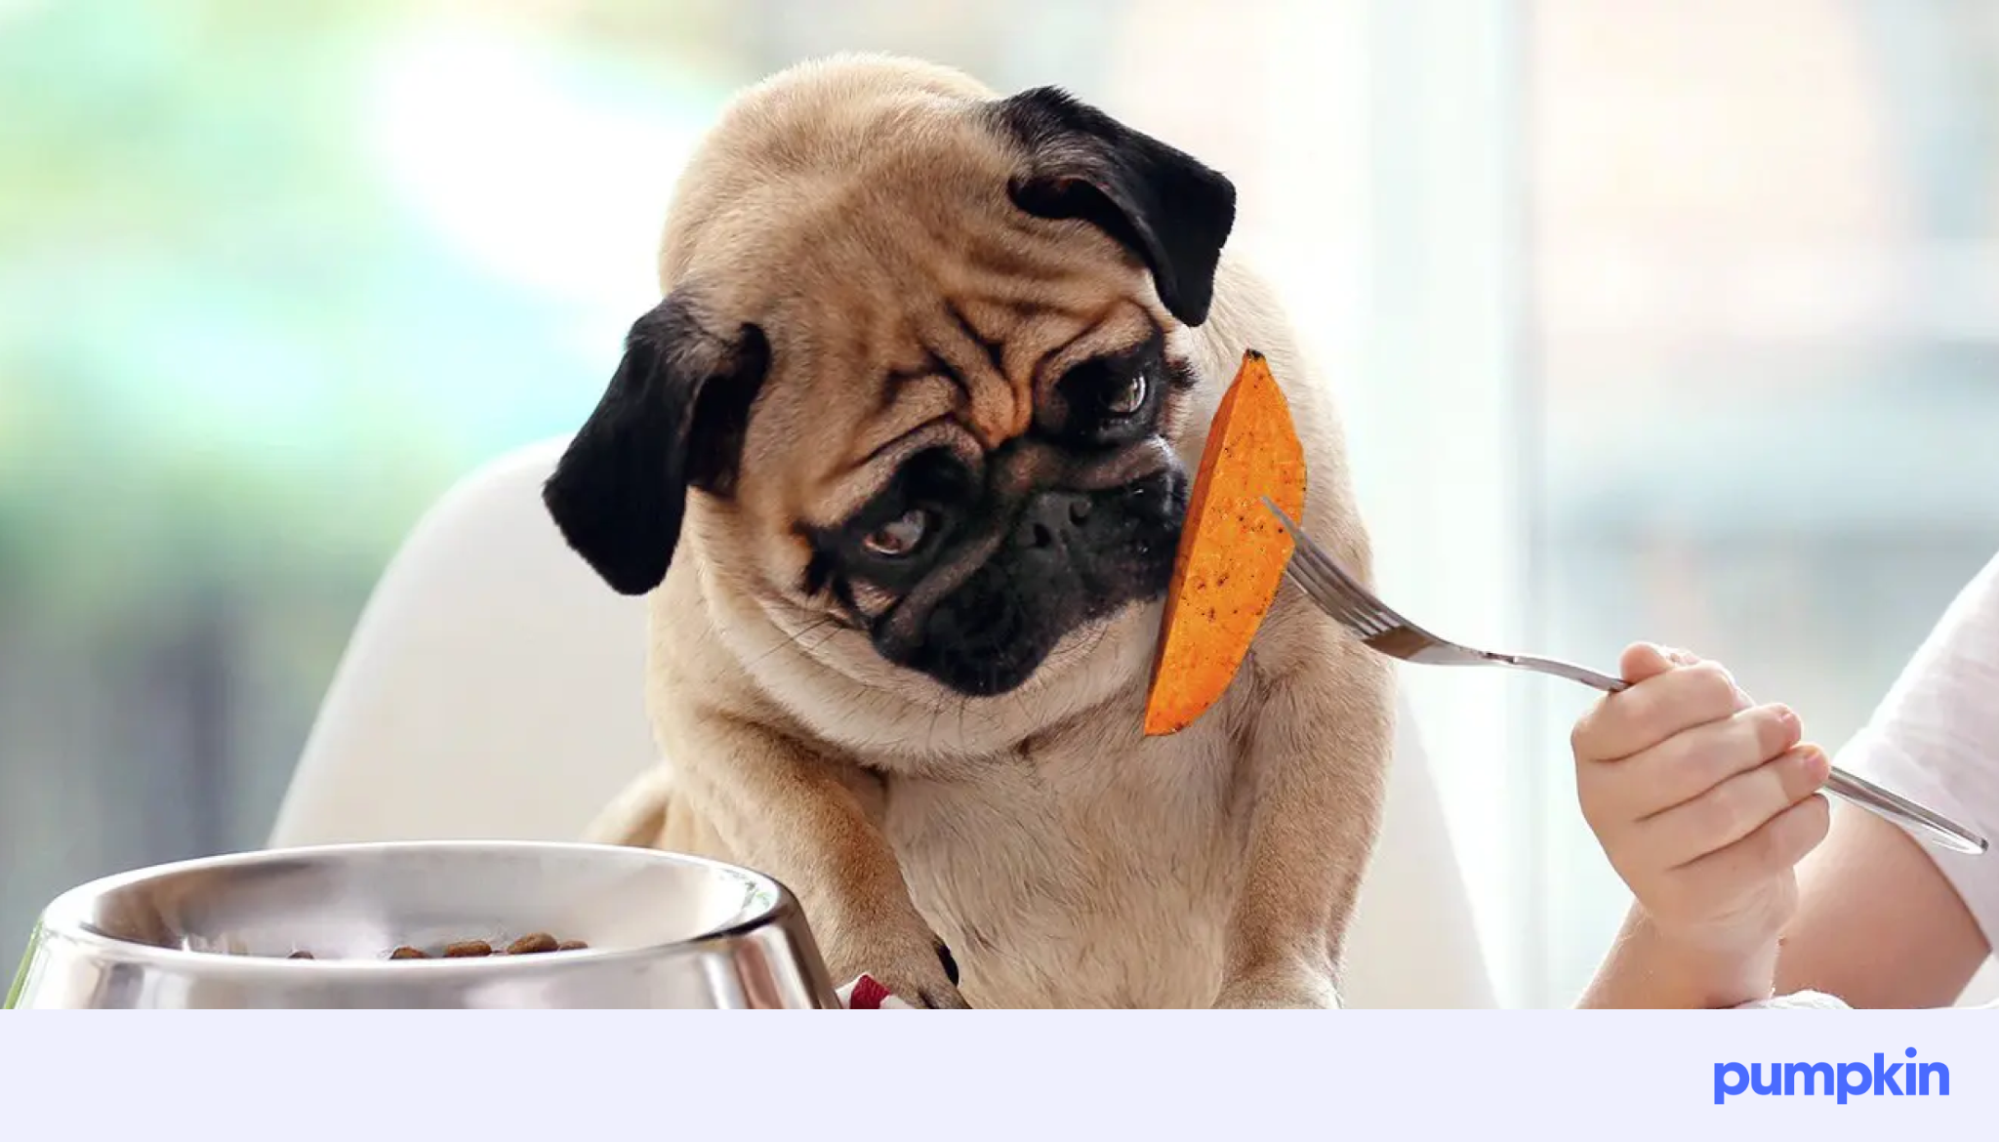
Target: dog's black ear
point(672, 418)
point(1166, 207)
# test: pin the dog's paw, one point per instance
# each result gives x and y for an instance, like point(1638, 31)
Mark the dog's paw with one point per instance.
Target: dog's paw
point(1285, 986)
point(925, 976)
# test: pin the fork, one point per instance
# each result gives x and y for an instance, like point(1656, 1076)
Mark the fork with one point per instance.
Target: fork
point(1385, 630)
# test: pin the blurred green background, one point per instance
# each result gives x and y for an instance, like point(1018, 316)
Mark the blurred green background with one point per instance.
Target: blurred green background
point(271, 276)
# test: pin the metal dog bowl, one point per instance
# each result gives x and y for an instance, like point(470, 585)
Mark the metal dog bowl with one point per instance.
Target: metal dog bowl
point(663, 931)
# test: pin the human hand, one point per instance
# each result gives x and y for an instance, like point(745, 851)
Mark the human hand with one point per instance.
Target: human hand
point(1703, 802)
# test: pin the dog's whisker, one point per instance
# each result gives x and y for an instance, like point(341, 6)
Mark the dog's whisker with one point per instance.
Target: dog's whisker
point(1103, 632)
point(792, 641)
point(930, 736)
point(814, 650)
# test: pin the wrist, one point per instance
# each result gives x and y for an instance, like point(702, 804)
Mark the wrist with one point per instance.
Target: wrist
point(1654, 966)
point(1722, 970)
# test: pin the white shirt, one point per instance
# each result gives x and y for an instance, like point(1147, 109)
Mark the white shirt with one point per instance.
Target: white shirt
point(1935, 739)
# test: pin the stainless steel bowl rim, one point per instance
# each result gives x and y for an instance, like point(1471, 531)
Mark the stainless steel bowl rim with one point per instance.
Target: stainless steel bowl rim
point(65, 916)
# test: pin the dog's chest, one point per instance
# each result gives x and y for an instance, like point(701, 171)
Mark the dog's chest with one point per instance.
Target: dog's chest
point(1096, 871)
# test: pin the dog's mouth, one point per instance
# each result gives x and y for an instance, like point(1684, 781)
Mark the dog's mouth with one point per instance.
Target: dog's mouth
point(1069, 559)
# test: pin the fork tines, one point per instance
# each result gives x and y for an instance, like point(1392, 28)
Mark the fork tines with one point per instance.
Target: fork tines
point(1332, 588)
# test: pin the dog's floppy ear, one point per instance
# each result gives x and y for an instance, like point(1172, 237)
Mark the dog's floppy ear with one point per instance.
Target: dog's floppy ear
point(672, 418)
point(1166, 207)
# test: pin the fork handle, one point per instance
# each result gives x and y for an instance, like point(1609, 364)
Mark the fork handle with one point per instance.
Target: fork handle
point(1610, 684)
point(1850, 787)
point(1897, 808)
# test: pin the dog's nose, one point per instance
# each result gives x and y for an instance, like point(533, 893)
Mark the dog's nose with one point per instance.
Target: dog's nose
point(1050, 519)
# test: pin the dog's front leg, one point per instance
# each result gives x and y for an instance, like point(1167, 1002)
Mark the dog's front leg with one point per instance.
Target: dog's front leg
point(1316, 766)
point(784, 811)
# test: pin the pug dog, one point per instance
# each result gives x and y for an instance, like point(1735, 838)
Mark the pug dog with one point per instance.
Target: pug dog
point(901, 459)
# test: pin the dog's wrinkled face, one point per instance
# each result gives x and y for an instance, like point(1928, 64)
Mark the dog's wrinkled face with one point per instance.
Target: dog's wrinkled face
point(918, 353)
point(971, 565)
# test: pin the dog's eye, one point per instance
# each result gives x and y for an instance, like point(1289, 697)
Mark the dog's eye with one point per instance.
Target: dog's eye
point(1125, 399)
point(900, 536)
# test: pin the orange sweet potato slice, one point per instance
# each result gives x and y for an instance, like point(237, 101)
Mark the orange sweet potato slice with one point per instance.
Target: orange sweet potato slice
point(1232, 551)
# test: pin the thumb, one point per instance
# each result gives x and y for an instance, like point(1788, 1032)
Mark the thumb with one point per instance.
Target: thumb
point(1642, 661)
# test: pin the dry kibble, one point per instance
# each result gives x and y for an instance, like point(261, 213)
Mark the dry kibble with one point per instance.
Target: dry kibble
point(533, 943)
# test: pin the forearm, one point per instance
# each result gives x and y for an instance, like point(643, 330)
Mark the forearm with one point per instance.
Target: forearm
point(1878, 924)
point(1649, 969)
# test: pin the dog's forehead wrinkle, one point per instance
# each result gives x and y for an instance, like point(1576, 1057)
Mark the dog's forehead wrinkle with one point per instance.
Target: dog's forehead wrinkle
point(836, 497)
point(964, 355)
point(921, 402)
point(1027, 352)
point(1121, 330)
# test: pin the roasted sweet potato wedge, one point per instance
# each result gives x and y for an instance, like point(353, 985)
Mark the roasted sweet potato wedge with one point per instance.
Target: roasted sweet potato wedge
point(1232, 552)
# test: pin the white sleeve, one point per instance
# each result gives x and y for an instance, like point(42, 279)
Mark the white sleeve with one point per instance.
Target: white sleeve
point(1935, 738)
point(1806, 999)
point(1810, 999)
